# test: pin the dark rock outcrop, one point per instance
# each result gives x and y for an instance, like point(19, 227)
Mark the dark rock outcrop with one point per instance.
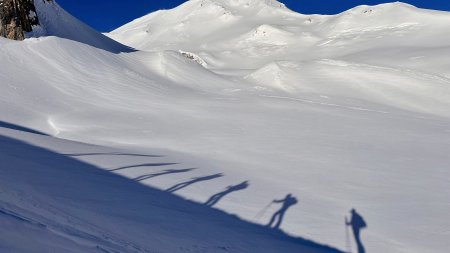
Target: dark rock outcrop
point(17, 17)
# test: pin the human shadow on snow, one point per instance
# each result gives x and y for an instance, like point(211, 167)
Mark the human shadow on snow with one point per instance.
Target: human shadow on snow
point(194, 180)
point(72, 185)
point(163, 173)
point(357, 223)
point(144, 165)
point(277, 217)
point(214, 199)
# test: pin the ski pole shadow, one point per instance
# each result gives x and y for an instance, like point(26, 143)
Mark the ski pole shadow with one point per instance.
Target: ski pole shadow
point(194, 180)
point(213, 200)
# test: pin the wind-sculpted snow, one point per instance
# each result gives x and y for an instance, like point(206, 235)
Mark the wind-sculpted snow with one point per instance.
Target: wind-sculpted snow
point(321, 114)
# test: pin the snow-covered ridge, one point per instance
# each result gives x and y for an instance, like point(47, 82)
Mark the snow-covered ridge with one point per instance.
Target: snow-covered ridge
point(16, 18)
point(241, 3)
point(257, 39)
point(195, 19)
point(55, 21)
point(181, 27)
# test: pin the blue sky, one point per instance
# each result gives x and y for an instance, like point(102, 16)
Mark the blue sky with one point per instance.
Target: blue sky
point(105, 15)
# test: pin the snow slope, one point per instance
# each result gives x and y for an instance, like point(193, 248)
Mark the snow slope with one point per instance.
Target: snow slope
point(341, 111)
point(64, 205)
point(275, 46)
point(55, 21)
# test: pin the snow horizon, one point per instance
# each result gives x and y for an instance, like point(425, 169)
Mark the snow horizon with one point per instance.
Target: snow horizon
point(120, 15)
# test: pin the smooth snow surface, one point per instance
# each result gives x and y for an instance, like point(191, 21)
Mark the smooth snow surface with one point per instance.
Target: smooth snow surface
point(344, 111)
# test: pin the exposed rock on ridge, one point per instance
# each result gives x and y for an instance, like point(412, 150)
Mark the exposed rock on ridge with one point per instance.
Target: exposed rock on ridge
point(17, 17)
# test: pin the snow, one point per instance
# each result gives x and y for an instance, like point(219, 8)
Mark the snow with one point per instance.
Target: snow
point(62, 204)
point(344, 111)
point(55, 21)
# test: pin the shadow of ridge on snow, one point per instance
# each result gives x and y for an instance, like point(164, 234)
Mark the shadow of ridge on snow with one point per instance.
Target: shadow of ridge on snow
point(20, 128)
point(109, 202)
point(111, 154)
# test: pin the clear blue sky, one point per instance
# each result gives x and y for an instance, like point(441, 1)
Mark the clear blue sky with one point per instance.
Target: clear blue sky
point(106, 15)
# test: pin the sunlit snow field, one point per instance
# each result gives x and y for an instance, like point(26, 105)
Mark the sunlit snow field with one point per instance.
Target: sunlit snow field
point(345, 111)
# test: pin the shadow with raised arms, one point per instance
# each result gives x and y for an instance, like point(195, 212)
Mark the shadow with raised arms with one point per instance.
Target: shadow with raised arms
point(162, 173)
point(230, 189)
point(194, 180)
point(144, 165)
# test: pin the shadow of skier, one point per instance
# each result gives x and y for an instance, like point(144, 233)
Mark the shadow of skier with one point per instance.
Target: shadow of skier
point(277, 218)
point(357, 223)
point(162, 173)
point(194, 180)
point(233, 188)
